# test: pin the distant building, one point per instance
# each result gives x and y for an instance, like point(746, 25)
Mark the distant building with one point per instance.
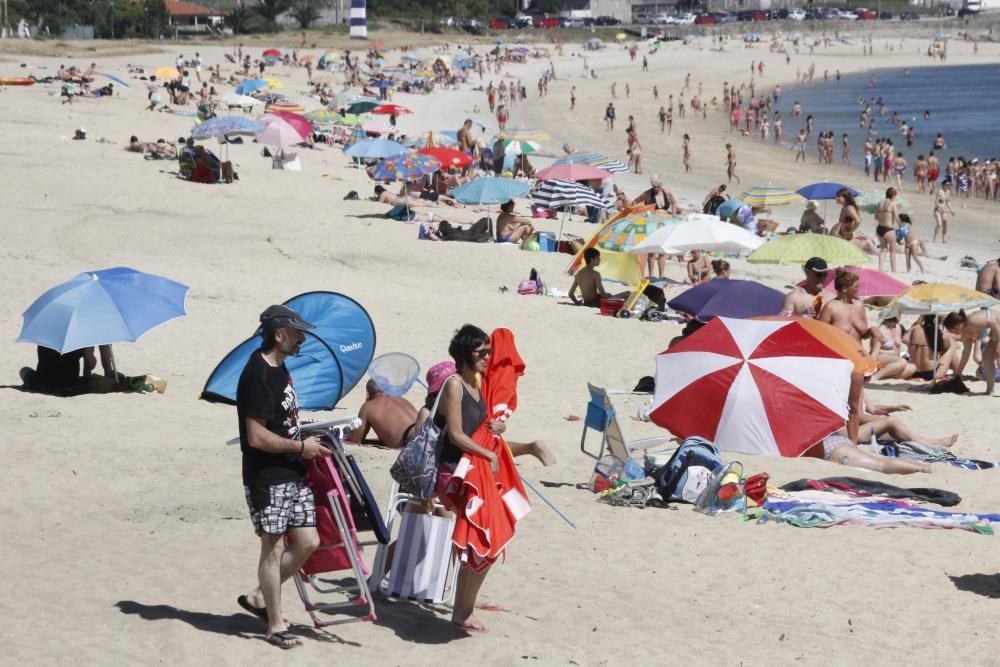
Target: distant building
point(189, 15)
point(619, 9)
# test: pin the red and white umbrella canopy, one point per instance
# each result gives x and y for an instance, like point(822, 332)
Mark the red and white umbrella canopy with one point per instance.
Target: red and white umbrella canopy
point(752, 386)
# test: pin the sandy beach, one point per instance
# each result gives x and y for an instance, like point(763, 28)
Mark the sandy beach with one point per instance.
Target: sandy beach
point(128, 536)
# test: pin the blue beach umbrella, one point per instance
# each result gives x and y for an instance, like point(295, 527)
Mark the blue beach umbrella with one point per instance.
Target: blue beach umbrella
point(251, 85)
point(382, 83)
point(824, 191)
point(116, 80)
point(489, 190)
point(408, 167)
point(728, 298)
point(223, 125)
point(375, 148)
point(102, 307)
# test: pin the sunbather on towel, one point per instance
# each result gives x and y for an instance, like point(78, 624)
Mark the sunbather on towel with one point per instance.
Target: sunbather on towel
point(588, 281)
point(393, 418)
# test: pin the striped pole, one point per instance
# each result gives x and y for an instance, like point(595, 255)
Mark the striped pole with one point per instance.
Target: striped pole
point(359, 23)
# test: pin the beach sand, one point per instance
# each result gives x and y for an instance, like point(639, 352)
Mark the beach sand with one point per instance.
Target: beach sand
point(127, 539)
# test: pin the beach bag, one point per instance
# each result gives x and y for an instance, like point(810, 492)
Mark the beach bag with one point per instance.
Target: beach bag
point(527, 287)
point(724, 492)
point(415, 469)
point(688, 472)
point(401, 213)
point(951, 385)
point(713, 204)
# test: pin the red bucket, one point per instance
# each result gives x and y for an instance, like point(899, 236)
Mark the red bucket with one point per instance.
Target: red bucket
point(610, 307)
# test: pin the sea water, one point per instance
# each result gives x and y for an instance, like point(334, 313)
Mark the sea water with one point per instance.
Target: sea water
point(963, 101)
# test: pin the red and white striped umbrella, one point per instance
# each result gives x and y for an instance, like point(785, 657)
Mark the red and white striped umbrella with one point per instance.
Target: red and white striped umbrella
point(752, 386)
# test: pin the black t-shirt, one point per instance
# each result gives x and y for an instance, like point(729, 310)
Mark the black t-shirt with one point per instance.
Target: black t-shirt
point(58, 370)
point(266, 392)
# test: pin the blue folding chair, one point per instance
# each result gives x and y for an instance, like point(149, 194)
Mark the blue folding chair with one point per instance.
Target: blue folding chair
point(601, 417)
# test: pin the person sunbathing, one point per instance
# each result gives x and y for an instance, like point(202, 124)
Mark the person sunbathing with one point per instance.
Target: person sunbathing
point(923, 338)
point(838, 448)
point(393, 418)
point(512, 228)
point(847, 312)
point(889, 352)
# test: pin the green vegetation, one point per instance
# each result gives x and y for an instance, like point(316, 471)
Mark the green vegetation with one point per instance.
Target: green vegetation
point(110, 18)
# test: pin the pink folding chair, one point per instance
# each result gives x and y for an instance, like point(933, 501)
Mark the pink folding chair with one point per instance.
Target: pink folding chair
point(336, 553)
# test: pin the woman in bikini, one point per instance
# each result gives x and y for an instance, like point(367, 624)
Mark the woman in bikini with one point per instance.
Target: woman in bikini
point(849, 221)
point(921, 340)
point(914, 247)
point(887, 223)
point(942, 209)
point(889, 352)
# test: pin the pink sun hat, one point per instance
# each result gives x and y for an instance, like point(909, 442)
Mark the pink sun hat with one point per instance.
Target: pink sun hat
point(437, 374)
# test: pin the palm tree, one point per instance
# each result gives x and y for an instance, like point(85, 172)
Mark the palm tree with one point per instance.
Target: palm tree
point(269, 10)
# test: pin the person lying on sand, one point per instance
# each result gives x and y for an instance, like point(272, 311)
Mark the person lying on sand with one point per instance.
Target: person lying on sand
point(588, 281)
point(512, 228)
point(393, 419)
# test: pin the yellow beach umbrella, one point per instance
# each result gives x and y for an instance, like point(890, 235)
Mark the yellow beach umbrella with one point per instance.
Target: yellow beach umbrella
point(769, 196)
point(798, 248)
point(166, 73)
point(938, 299)
point(526, 135)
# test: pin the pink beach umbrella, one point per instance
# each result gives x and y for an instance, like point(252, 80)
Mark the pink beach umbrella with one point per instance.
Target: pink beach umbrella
point(279, 133)
point(870, 283)
point(300, 123)
point(572, 172)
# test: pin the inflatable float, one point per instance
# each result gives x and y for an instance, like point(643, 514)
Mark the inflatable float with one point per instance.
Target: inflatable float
point(16, 81)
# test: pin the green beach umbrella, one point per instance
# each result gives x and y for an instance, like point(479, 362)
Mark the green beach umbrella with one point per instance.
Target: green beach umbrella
point(798, 248)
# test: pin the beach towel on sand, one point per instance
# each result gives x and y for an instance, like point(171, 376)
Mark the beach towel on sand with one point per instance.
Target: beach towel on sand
point(488, 507)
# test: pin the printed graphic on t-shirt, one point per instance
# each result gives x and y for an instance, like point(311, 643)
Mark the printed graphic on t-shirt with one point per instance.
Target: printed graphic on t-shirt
point(291, 406)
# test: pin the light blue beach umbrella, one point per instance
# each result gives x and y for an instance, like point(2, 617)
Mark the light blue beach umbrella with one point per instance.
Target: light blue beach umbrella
point(100, 308)
point(251, 85)
point(376, 148)
point(490, 190)
point(224, 125)
point(728, 207)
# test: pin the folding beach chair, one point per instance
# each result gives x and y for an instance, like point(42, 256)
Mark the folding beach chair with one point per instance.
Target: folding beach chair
point(601, 417)
point(424, 564)
point(344, 506)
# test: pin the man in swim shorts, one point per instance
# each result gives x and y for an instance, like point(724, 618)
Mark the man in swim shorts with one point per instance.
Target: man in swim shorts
point(988, 280)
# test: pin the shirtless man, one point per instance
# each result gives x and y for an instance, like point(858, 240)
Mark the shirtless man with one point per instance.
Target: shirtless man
point(391, 417)
point(588, 281)
point(847, 312)
point(731, 164)
point(988, 280)
point(807, 300)
point(466, 143)
point(699, 268)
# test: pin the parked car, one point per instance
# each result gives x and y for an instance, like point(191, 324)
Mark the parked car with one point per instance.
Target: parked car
point(796, 14)
point(866, 14)
point(705, 19)
point(523, 21)
point(606, 20)
point(725, 17)
point(847, 15)
point(760, 15)
point(885, 16)
point(547, 22)
point(662, 19)
point(573, 23)
point(964, 11)
point(472, 25)
point(685, 19)
point(501, 23)
point(909, 16)
point(744, 16)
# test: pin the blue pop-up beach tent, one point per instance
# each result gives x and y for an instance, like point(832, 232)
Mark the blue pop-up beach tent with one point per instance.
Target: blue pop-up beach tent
point(333, 358)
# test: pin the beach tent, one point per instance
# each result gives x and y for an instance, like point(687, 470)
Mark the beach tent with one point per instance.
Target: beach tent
point(333, 358)
point(616, 266)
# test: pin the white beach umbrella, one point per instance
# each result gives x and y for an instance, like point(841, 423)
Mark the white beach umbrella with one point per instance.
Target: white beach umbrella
point(233, 99)
point(701, 234)
point(279, 133)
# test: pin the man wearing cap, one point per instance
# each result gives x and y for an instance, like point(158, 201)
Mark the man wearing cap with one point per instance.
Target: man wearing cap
point(811, 221)
point(806, 300)
point(274, 472)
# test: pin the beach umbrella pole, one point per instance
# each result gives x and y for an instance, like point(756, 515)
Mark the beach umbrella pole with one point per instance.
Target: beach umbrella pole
point(547, 501)
point(934, 372)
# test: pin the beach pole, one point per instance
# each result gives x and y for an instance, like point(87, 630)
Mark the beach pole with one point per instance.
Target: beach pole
point(547, 501)
point(934, 372)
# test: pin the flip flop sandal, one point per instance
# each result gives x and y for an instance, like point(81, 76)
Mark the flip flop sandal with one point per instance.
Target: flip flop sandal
point(259, 612)
point(284, 640)
point(490, 605)
point(471, 629)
